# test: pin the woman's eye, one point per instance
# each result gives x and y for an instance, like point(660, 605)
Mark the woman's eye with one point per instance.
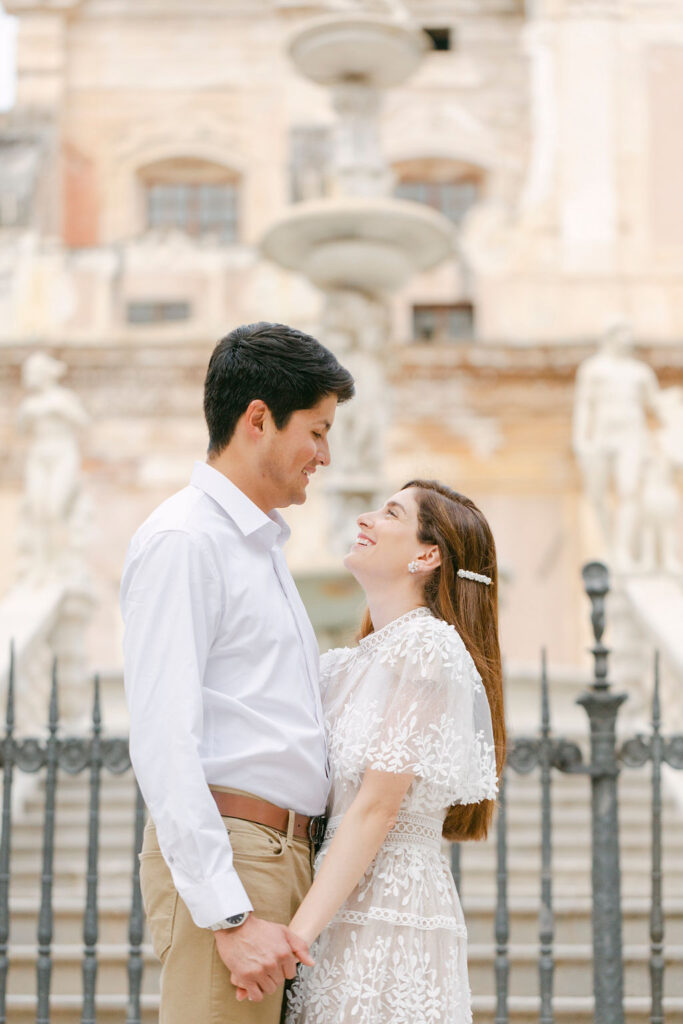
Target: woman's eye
point(317, 436)
point(390, 512)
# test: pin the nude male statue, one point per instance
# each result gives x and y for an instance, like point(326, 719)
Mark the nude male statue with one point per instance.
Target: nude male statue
point(614, 393)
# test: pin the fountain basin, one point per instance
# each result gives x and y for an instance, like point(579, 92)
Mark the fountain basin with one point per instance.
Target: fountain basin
point(379, 52)
point(372, 244)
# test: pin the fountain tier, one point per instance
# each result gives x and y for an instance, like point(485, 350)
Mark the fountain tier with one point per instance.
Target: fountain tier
point(371, 244)
point(376, 51)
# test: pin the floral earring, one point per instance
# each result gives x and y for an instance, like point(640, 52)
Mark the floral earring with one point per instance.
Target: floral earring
point(413, 567)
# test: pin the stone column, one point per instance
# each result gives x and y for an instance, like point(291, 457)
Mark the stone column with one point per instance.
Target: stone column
point(588, 212)
point(540, 190)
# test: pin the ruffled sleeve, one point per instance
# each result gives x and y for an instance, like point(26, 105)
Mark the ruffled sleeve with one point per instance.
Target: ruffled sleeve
point(422, 709)
point(330, 663)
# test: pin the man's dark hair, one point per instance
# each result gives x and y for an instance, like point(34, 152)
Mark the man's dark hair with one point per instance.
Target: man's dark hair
point(286, 369)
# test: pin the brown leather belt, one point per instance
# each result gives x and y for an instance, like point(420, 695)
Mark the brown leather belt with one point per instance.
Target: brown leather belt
point(252, 808)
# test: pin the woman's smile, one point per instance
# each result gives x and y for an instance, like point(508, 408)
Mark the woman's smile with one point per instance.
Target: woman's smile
point(363, 541)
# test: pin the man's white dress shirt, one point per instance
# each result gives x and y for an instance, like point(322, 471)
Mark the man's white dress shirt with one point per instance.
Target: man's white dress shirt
point(221, 676)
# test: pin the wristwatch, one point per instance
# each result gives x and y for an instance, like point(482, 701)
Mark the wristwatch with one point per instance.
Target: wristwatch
point(230, 922)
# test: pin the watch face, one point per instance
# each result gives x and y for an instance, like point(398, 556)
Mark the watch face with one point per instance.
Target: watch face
point(236, 919)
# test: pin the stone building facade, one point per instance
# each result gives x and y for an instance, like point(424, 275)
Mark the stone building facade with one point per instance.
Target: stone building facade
point(151, 146)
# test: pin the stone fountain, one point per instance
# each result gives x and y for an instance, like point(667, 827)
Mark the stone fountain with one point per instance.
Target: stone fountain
point(358, 244)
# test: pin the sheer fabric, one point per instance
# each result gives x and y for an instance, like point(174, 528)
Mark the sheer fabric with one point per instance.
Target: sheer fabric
point(408, 698)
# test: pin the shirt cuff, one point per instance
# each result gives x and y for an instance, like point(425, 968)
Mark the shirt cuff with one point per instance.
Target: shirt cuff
point(222, 896)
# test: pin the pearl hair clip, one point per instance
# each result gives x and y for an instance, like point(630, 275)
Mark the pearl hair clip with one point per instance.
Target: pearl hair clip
point(476, 576)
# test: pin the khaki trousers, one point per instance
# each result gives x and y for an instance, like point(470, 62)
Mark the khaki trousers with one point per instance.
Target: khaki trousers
point(276, 872)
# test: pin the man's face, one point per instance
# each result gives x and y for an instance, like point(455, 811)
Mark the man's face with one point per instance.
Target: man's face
point(292, 455)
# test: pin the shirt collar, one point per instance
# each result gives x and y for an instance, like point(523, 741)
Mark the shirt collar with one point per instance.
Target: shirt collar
point(248, 517)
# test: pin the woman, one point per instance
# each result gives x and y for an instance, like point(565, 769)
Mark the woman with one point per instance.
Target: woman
point(414, 715)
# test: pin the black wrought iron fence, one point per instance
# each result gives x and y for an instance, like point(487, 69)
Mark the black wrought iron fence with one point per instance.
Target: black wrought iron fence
point(96, 754)
point(73, 755)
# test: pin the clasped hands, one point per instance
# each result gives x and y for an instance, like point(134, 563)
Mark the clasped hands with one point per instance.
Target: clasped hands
point(260, 955)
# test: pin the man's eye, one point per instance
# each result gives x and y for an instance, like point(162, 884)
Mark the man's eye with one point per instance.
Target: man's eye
point(317, 436)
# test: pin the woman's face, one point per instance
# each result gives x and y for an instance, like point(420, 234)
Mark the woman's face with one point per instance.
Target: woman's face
point(387, 540)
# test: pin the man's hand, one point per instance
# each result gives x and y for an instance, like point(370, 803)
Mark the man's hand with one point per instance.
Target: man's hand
point(260, 955)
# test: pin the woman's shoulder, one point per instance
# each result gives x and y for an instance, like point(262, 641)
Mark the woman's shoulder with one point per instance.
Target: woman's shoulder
point(335, 658)
point(421, 640)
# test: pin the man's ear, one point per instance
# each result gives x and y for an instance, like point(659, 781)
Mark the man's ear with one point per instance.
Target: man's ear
point(255, 418)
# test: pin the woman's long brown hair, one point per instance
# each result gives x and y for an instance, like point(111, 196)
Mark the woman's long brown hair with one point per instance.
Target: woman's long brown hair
point(463, 536)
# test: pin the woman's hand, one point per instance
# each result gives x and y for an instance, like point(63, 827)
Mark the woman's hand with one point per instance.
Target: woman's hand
point(362, 831)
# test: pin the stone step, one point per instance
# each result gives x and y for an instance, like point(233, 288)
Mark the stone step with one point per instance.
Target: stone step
point(632, 783)
point(571, 1009)
point(111, 1009)
point(67, 969)
point(80, 783)
point(66, 1009)
point(120, 813)
point(523, 882)
point(118, 838)
point(573, 975)
point(572, 919)
point(113, 919)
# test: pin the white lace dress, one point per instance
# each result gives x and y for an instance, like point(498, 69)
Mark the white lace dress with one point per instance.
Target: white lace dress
point(407, 699)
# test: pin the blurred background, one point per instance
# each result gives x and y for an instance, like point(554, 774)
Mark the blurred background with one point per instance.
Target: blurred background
point(471, 203)
point(477, 205)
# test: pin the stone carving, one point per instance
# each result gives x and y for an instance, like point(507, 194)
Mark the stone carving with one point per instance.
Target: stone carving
point(628, 469)
point(21, 160)
point(355, 326)
point(359, 165)
point(54, 516)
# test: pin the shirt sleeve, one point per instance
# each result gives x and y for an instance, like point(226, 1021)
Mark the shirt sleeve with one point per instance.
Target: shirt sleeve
point(171, 605)
point(427, 714)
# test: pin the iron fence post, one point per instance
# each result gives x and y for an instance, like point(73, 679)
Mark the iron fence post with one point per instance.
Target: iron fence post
point(602, 707)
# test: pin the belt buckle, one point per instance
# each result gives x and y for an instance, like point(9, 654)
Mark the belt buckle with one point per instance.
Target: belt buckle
point(316, 830)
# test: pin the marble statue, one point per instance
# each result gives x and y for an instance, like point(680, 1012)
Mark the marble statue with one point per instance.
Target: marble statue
point(614, 394)
point(660, 502)
point(53, 417)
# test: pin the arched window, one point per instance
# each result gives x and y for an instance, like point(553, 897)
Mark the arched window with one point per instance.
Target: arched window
point(449, 186)
point(191, 195)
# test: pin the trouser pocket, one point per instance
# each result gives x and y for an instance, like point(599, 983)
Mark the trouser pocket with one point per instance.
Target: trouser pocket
point(159, 895)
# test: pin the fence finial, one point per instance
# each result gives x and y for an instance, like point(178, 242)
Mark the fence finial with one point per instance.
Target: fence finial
point(596, 583)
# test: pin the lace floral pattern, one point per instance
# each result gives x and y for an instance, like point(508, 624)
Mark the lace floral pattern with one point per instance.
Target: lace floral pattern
point(394, 979)
point(407, 699)
point(409, 828)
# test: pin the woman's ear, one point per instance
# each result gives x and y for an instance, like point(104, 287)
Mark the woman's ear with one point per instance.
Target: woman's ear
point(431, 558)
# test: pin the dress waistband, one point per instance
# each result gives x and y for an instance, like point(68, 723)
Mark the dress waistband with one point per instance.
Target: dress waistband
point(409, 830)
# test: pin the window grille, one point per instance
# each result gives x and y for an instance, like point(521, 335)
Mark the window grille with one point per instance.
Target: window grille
point(157, 312)
point(452, 198)
point(443, 323)
point(197, 209)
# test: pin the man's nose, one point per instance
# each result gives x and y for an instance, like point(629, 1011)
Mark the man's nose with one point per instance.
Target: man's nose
point(324, 453)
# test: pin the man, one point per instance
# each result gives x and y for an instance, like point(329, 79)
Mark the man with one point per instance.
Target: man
point(226, 730)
